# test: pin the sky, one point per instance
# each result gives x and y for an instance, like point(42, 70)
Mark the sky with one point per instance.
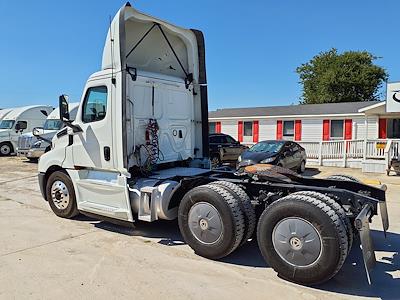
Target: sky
point(48, 48)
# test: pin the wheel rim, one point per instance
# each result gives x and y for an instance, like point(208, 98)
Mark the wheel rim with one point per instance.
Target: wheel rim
point(60, 194)
point(5, 149)
point(303, 166)
point(205, 223)
point(297, 242)
point(215, 161)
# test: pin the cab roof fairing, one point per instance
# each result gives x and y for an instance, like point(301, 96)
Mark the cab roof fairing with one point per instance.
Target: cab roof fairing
point(129, 26)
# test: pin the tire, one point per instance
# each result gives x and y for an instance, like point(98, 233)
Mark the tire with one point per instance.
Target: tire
point(246, 206)
point(342, 177)
point(313, 219)
point(215, 161)
point(302, 167)
point(339, 210)
point(6, 149)
point(62, 204)
point(226, 214)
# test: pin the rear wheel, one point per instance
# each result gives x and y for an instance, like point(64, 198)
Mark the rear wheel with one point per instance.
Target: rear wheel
point(342, 177)
point(302, 239)
point(302, 167)
point(215, 161)
point(339, 210)
point(6, 149)
point(211, 221)
point(61, 195)
point(246, 206)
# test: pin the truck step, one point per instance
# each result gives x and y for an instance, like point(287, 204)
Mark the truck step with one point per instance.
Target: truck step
point(147, 204)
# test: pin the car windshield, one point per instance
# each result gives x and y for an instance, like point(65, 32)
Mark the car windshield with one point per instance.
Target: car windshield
point(6, 124)
point(52, 125)
point(272, 146)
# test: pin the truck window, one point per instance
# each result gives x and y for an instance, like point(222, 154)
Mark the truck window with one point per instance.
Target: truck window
point(6, 124)
point(95, 104)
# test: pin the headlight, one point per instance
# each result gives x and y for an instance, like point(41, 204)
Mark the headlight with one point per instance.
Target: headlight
point(267, 160)
point(239, 158)
point(37, 144)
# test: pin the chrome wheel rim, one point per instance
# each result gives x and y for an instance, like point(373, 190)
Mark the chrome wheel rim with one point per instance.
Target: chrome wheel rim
point(5, 149)
point(205, 223)
point(297, 242)
point(60, 194)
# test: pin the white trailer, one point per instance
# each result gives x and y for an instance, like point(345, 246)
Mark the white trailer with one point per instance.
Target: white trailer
point(138, 149)
point(18, 121)
point(34, 144)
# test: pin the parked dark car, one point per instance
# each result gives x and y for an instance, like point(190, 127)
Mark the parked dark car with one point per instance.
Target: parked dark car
point(286, 154)
point(224, 148)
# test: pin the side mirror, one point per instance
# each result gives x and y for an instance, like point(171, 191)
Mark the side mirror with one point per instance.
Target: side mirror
point(64, 108)
point(21, 125)
point(37, 131)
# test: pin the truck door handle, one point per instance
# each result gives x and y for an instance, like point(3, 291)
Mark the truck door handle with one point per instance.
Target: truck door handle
point(107, 153)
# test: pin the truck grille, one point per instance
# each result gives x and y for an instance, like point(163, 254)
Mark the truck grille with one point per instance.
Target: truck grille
point(25, 142)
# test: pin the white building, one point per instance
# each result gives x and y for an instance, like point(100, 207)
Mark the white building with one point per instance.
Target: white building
point(354, 134)
point(308, 123)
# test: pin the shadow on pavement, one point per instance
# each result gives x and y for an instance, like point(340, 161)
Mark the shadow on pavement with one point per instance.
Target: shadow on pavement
point(351, 279)
point(311, 172)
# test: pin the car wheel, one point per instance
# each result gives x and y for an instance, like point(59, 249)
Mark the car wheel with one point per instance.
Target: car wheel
point(61, 195)
point(5, 149)
point(301, 169)
point(215, 161)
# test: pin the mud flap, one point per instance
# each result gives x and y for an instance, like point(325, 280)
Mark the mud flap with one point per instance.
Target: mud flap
point(384, 216)
point(362, 225)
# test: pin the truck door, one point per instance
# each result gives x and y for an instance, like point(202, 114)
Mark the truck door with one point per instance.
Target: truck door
point(92, 146)
point(100, 189)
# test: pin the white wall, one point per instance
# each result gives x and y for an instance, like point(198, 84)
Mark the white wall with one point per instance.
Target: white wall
point(359, 127)
point(267, 129)
point(311, 130)
point(230, 128)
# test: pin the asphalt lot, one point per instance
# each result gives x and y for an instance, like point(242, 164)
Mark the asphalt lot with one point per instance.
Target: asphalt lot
point(43, 256)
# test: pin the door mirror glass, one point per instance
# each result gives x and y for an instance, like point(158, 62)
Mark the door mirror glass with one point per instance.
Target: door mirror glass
point(21, 125)
point(64, 108)
point(37, 131)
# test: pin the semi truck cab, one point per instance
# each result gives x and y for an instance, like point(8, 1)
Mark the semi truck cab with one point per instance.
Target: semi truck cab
point(18, 121)
point(144, 112)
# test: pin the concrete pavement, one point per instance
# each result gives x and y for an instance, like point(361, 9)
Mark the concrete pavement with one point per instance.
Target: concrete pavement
point(43, 256)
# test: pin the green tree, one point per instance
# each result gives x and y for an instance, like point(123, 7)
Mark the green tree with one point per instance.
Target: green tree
point(348, 77)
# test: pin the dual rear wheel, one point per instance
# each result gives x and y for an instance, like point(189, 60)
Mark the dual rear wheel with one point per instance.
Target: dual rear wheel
point(305, 237)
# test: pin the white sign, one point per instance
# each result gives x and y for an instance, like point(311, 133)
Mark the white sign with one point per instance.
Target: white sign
point(393, 97)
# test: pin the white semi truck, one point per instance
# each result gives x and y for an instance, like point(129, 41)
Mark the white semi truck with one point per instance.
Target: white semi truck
point(18, 121)
point(138, 150)
point(4, 113)
point(34, 144)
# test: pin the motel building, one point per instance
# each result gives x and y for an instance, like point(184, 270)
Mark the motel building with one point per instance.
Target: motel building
point(355, 134)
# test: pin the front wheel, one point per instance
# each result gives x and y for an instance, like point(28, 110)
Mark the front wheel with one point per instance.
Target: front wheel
point(61, 195)
point(5, 149)
point(302, 239)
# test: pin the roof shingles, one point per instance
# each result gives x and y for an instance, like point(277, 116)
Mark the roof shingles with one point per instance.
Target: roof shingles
point(302, 109)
